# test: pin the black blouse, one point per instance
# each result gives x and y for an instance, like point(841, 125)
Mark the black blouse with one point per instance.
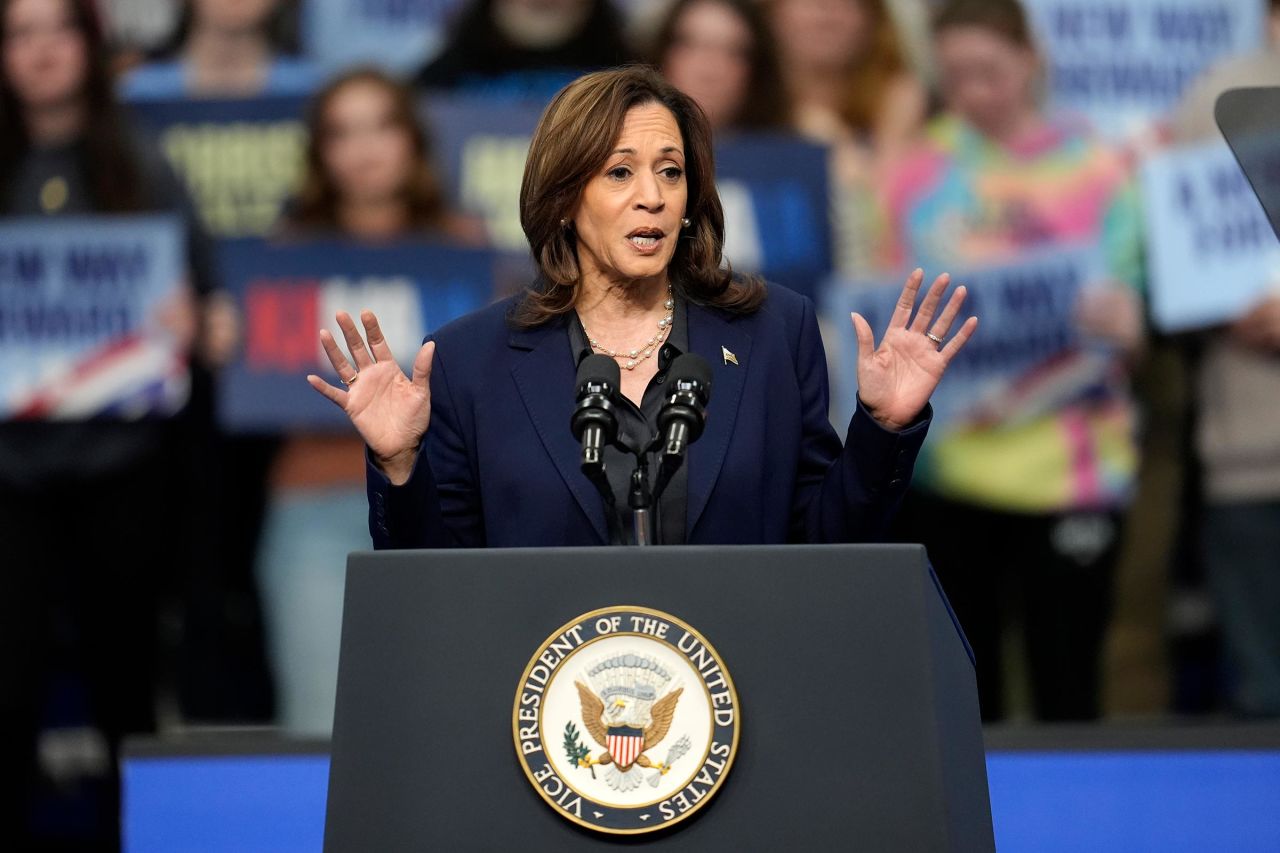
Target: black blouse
point(636, 427)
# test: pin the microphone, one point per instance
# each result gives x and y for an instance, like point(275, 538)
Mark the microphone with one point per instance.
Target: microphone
point(683, 416)
point(595, 420)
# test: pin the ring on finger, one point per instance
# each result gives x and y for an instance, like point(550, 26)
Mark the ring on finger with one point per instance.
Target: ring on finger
point(931, 336)
point(352, 380)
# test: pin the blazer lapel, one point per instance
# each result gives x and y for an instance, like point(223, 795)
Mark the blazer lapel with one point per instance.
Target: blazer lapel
point(717, 339)
point(544, 376)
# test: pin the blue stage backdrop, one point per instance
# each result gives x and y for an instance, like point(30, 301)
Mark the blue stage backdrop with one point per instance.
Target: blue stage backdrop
point(287, 292)
point(1141, 797)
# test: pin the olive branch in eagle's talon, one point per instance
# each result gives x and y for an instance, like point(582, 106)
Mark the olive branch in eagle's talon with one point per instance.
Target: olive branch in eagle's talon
point(578, 753)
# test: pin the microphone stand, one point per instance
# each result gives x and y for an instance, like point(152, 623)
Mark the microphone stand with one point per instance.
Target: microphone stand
point(641, 502)
point(595, 473)
point(646, 506)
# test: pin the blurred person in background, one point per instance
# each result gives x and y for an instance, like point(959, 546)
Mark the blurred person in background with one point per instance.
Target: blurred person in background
point(86, 541)
point(721, 53)
point(847, 74)
point(852, 89)
point(525, 48)
point(369, 178)
point(225, 49)
point(1237, 405)
point(1031, 503)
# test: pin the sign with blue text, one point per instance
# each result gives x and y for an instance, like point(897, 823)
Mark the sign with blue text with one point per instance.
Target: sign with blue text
point(1028, 356)
point(1211, 251)
point(1125, 63)
point(90, 317)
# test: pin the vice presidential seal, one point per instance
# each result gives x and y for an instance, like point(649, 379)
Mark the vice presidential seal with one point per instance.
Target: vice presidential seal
point(626, 720)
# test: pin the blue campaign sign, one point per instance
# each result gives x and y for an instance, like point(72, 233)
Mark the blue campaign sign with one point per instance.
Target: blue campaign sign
point(785, 231)
point(398, 35)
point(1125, 63)
point(1211, 251)
point(88, 312)
point(288, 291)
point(241, 160)
point(1028, 356)
point(480, 148)
point(775, 188)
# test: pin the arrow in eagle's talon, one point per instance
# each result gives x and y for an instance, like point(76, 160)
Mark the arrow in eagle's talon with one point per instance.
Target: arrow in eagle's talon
point(678, 749)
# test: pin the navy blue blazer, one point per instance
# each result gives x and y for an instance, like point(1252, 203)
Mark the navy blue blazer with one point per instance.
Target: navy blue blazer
point(500, 466)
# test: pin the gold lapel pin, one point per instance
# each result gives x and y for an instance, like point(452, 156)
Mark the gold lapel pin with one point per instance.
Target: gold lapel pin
point(729, 358)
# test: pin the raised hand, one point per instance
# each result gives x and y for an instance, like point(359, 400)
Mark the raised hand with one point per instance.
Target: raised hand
point(896, 379)
point(391, 411)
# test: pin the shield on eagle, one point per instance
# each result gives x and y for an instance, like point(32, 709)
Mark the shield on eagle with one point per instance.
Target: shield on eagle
point(625, 745)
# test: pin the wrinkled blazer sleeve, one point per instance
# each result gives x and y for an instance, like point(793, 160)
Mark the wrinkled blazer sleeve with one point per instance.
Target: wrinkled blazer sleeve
point(439, 505)
point(849, 493)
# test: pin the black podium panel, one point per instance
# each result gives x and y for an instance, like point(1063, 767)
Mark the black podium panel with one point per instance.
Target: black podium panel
point(859, 716)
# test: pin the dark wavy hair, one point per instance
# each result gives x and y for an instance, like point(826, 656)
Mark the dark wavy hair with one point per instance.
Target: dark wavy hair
point(768, 105)
point(574, 137)
point(107, 155)
point(317, 202)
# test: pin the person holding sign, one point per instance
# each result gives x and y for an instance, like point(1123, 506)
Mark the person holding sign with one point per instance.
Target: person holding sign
point(1034, 496)
point(84, 533)
point(623, 218)
point(852, 89)
point(1237, 393)
point(368, 180)
point(369, 174)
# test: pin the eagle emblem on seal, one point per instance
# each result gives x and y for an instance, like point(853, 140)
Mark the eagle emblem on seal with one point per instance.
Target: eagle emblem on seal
point(627, 709)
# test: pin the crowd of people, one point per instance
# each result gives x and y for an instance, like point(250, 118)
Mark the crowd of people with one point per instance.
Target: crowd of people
point(173, 566)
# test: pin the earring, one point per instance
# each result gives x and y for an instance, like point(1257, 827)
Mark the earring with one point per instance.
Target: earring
point(564, 223)
point(684, 223)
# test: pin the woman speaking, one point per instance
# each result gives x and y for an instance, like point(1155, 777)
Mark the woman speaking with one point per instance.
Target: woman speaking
point(621, 211)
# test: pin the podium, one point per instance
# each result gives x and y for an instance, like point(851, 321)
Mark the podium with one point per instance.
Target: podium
point(858, 730)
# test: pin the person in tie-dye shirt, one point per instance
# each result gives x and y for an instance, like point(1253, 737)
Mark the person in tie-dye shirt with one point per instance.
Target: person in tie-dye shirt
point(1024, 510)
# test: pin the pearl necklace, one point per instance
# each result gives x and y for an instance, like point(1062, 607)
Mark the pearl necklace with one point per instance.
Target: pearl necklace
point(640, 353)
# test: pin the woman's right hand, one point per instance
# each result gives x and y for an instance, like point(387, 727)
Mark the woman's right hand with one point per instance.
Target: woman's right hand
point(390, 410)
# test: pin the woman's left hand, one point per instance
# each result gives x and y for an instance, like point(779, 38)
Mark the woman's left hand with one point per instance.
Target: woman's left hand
point(896, 379)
